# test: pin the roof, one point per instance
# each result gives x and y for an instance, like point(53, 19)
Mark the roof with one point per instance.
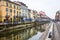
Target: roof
point(12, 2)
point(42, 13)
point(21, 3)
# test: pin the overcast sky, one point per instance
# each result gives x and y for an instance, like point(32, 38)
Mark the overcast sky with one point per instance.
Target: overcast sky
point(48, 6)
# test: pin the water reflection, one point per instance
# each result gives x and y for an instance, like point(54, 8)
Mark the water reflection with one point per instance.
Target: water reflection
point(37, 36)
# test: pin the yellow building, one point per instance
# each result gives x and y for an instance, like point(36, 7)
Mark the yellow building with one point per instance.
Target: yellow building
point(9, 11)
point(33, 14)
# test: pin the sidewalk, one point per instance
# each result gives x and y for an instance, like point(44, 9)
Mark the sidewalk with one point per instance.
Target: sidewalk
point(50, 30)
point(56, 33)
point(43, 37)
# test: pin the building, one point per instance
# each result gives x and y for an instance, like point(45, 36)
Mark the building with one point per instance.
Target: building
point(57, 16)
point(42, 14)
point(24, 10)
point(43, 17)
point(29, 11)
point(33, 14)
point(9, 11)
point(15, 11)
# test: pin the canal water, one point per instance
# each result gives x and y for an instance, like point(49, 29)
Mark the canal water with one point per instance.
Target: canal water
point(26, 33)
point(37, 36)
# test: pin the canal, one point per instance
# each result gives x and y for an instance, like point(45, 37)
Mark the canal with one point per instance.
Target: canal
point(37, 36)
point(26, 32)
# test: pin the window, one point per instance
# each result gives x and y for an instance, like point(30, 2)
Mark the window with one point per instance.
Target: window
point(11, 10)
point(14, 6)
point(6, 11)
point(17, 7)
point(7, 4)
point(6, 14)
point(10, 5)
point(14, 11)
point(17, 12)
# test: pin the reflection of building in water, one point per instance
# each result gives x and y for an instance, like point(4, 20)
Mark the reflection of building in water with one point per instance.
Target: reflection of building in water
point(57, 16)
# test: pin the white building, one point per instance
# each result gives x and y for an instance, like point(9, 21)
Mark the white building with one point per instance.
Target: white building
point(24, 10)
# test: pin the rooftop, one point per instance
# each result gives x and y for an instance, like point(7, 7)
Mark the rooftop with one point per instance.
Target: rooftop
point(21, 3)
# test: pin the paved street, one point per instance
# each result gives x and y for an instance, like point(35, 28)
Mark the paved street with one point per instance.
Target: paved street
point(58, 27)
point(56, 31)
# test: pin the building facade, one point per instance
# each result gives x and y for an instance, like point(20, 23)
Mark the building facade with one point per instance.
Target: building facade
point(24, 10)
point(9, 11)
point(29, 11)
point(15, 11)
point(57, 16)
point(33, 14)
